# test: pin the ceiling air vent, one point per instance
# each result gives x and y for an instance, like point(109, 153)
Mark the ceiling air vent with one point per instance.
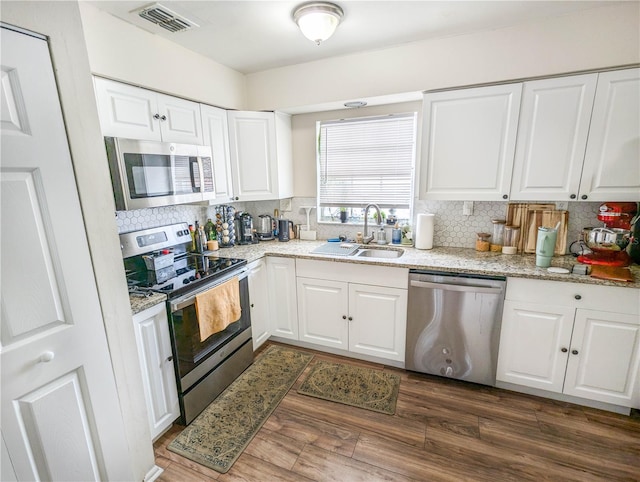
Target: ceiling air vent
point(165, 18)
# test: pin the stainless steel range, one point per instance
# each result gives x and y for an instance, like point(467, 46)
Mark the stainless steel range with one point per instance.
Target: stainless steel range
point(157, 259)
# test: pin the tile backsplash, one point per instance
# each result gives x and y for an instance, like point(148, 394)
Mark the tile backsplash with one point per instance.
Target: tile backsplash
point(452, 228)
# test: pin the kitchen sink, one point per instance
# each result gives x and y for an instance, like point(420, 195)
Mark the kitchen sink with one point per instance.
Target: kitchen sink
point(379, 253)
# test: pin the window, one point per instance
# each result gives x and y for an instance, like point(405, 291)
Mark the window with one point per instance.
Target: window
point(366, 160)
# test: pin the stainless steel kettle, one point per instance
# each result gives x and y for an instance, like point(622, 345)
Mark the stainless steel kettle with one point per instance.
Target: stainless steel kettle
point(264, 227)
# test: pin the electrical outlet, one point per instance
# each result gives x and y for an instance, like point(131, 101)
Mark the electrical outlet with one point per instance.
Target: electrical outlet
point(562, 205)
point(467, 208)
point(285, 204)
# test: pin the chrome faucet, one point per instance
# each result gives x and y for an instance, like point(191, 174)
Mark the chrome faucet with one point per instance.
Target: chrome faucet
point(366, 239)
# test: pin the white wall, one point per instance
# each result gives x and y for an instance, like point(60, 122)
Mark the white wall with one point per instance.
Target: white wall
point(60, 21)
point(121, 51)
point(593, 39)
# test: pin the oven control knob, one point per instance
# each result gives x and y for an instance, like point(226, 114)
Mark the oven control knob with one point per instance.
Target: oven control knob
point(191, 278)
point(185, 281)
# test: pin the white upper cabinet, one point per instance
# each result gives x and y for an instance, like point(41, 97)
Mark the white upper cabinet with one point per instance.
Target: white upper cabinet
point(261, 162)
point(552, 137)
point(612, 161)
point(135, 113)
point(216, 136)
point(468, 143)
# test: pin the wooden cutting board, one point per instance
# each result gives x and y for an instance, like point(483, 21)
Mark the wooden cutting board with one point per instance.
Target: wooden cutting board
point(518, 215)
point(612, 273)
point(548, 219)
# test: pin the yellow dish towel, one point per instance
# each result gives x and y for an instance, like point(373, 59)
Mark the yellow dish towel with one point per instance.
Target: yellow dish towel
point(218, 308)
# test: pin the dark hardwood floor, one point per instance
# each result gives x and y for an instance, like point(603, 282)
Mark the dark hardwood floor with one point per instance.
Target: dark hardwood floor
point(442, 430)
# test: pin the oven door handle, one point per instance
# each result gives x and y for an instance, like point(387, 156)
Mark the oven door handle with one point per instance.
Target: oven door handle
point(190, 299)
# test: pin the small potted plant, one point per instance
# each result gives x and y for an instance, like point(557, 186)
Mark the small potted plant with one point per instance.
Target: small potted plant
point(343, 215)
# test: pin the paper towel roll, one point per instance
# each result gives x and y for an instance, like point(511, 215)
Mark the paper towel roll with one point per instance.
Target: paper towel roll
point(424, 231)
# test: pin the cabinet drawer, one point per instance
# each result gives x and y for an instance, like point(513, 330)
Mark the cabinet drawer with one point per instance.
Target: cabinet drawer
point(576, 295)
point(353, 273)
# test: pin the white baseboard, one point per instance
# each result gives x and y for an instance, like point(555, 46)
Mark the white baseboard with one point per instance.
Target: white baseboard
point(153, 474)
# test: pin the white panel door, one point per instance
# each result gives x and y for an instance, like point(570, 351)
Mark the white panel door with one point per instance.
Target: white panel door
point(216, 135)
point(604, 360)
point(252, 145)
point(179, 120)
point(377, 321)
point(322, 310)
point(552, 138)
point(283, 321)
point(127, 111)
point(468, 143)
point(156, 362)
point(611, 167)
point(534, 345)
point(61, 416)
point(259, 302)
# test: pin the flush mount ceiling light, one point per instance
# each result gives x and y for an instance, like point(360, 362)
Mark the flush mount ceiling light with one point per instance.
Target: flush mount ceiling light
point(318, 20)
point(354, 104)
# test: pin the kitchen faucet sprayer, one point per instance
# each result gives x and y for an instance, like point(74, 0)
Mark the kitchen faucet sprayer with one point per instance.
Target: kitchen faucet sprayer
point(366, 239)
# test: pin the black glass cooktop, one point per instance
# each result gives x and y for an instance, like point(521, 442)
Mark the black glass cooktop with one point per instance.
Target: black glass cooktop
point(195, 271)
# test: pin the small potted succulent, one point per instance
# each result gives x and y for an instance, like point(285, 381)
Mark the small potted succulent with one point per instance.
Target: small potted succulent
point(343, 215)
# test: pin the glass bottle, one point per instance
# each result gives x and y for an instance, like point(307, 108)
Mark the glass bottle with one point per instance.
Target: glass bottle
point(497, 238)
point(210, 230)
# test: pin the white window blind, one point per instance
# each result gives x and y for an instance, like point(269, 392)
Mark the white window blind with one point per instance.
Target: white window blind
point(366, 160)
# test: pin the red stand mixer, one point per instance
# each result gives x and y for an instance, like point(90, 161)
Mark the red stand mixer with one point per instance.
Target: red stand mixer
point(607, 244)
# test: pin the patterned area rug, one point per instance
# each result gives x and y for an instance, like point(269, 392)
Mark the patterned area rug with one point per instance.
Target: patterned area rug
point(217, 437)
point(361, 387)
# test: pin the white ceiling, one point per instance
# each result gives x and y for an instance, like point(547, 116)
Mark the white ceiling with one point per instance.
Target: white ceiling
point(251, 36)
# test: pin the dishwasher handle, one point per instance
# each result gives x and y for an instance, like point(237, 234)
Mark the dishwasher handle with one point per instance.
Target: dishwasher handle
point(451, 287)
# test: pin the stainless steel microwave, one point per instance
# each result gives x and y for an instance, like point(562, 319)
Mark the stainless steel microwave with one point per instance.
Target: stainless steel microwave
point(148, 174)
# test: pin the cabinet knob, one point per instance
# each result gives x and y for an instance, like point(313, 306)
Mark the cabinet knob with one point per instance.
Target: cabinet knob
point(563, 350)
point(164, 118)
point(46, 357)
point(504, 196)
point(574, 352)
point(584, 196)
point(236, 198)
point(578, 297)
point(344, 317)
point(156, 116)
point(350, 318)
point(251, 305)
point(573, 196)
point(170, 358)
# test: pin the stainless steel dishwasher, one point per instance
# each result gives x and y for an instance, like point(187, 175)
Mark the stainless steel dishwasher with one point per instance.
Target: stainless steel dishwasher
point(453, 325)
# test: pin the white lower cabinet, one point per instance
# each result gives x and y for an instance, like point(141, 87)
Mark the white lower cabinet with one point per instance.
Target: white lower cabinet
point(281, 275)
point(259, 302)
point(156, 361)
point(572, 339)
point(322, 309)
point(337, 307)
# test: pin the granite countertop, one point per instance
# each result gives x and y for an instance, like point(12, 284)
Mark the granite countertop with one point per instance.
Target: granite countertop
point(440, 258)
point(139, 303)
point(457, 260)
